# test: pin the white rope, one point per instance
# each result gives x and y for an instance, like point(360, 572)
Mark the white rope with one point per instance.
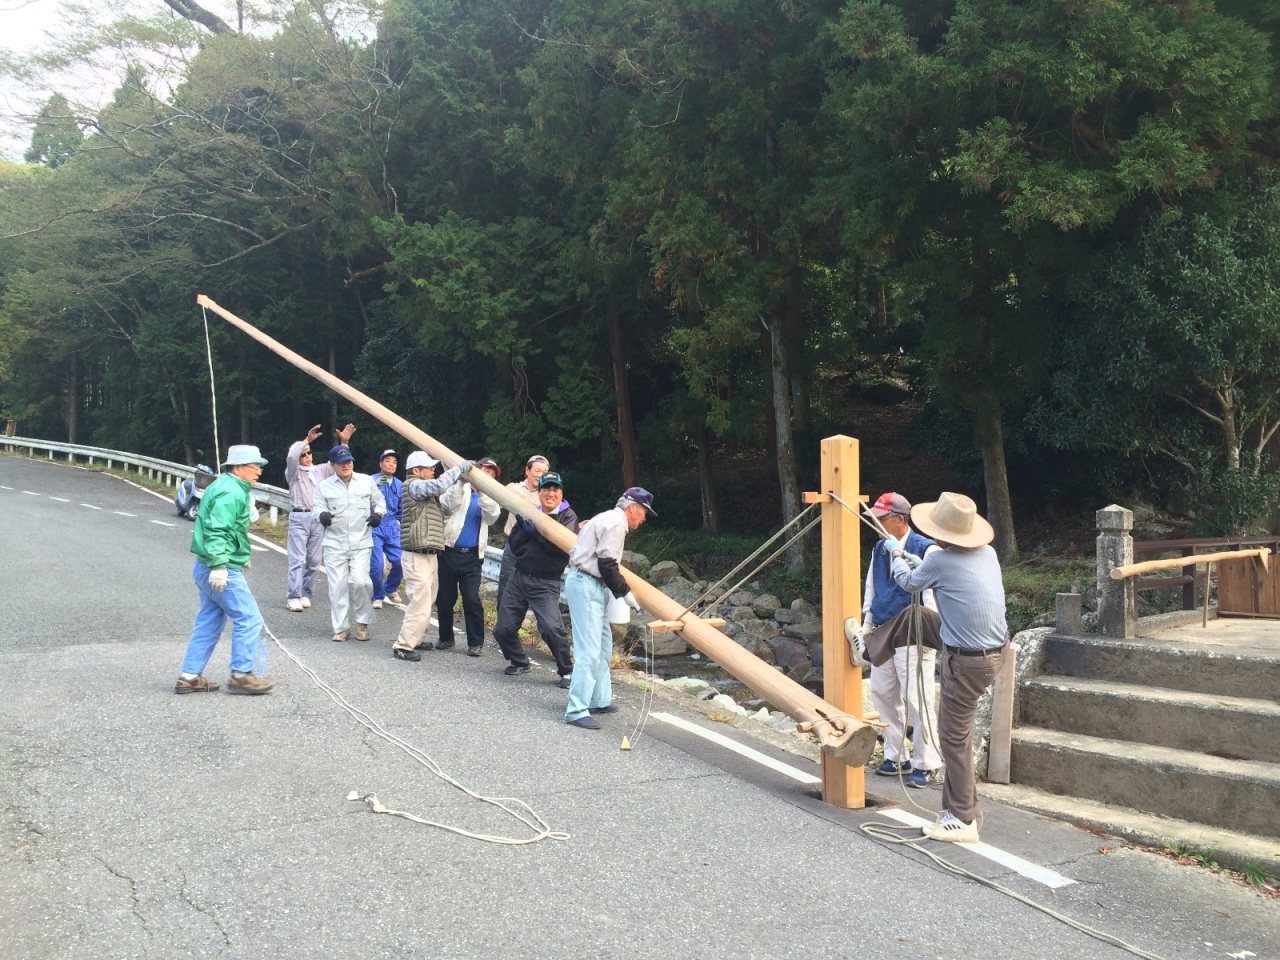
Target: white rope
point(886, 833)
point(217, 449)
point(512, 806)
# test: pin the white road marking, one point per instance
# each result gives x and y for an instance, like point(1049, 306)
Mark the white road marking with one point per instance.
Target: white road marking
point(31, 493)
point(121, 513)
point(269, 545)
point(60, 499)
point(1032, 871)
point(718, 738)
point(254, 546)
point(3, 487)
point(164, 524)
point(90, 506)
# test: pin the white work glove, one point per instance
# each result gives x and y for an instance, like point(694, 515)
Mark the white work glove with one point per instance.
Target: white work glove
point(632, 602)
point(218, 579)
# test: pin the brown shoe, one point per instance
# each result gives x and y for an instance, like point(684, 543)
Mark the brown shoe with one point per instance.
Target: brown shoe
point(362, 632)
point(250, 683)
point(198, 685)
point(341, 635)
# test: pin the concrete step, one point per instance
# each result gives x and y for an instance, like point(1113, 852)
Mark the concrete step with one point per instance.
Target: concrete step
point(1227, 727)
point(1251, 673)
point(1231, 849)
point(1240, 795)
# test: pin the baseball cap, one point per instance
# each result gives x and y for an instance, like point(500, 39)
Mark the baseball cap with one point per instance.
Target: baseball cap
point(888, 503)
point(420, 458)
point(550, 479)
point(640, 496)
point(537, 458)
point(490, 462)
point(340, 454)
point(385, 454)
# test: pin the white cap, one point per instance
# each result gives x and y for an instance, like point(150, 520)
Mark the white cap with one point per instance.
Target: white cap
point(420, 458)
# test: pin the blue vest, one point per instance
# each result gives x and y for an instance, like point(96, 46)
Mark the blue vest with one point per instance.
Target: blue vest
point(891, 599)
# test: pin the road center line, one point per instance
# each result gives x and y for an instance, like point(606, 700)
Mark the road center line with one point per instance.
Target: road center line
point(90, 506)
point(1032, 871)
point(60, 499)
point(3, 487)
point(121, 513)
point(164, 524)
point(742, 749)
point(31, 493)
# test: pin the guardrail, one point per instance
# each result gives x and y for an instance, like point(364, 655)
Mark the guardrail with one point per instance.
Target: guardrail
point(277, 498)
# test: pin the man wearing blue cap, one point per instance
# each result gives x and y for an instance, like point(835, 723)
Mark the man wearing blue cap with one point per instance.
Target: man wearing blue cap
point(348, 505)
point(221, 545)
point(594, 578)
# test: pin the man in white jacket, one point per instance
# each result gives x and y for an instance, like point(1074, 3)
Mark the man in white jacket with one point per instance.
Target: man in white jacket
point(467, 516)
point(348, 505)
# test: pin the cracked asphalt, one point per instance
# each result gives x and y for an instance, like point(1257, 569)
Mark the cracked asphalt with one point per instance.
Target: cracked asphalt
point(135, 823)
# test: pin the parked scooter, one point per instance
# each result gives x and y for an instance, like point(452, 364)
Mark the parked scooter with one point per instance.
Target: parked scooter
point(187, 499)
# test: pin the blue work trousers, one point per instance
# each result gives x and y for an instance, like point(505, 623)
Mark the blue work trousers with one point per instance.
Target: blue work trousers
point(216, 607)
point(386, 546)
point(590, 686)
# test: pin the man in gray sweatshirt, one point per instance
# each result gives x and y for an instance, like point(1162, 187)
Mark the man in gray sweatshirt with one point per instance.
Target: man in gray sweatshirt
point(966, 583)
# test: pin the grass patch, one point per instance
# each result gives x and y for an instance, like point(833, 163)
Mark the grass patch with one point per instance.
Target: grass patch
point(1258, 876)
point(1031, 587)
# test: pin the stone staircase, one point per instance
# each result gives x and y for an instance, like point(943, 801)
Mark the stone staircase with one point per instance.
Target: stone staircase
point(1160, 739)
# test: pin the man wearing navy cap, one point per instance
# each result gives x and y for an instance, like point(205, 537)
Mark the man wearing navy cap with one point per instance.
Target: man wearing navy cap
point(221, 545)
point(534, 583)
point(348, 505)
point(596, 577)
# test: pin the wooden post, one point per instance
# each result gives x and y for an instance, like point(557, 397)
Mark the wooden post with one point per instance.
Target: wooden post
point(842, 785)
point(999, 747)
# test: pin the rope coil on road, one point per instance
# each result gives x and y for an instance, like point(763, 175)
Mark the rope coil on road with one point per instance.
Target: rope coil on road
point(512, 806)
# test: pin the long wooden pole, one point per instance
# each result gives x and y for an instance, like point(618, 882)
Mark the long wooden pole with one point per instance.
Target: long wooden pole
point(844, 737)
point(1173, 563)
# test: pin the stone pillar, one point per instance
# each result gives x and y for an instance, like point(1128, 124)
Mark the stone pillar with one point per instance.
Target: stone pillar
point(1068, 608)
point(1117, 609)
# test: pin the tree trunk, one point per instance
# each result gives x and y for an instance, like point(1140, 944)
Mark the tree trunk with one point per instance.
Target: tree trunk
point(73, 399)
point(626, 429)
point(707, 482)
point(788, 484)
point(770, 421)
point(996, 479)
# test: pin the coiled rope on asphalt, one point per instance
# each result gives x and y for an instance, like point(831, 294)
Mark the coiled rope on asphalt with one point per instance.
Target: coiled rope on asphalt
point(512, 806)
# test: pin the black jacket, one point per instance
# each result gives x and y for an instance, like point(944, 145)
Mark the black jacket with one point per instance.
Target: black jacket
point(536, 556)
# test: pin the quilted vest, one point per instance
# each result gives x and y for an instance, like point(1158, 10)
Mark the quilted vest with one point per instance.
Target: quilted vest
point(422, 524)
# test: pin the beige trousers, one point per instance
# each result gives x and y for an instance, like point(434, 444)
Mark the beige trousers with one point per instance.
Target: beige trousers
point(422, 578)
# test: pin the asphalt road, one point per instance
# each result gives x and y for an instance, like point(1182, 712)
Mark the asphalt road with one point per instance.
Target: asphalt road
point(135, 823)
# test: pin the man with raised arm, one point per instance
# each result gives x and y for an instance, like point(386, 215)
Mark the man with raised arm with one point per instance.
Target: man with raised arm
point(305, 532)
point(422, 542)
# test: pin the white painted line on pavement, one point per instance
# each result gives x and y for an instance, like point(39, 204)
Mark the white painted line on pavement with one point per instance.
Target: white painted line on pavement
point(269, 545)
point(164, 524)
point(3, 487)
point(90, 506)
point(31, 493)
point(142, 488)
point(121, 513)
point(60, 499)
point(1032, 871)
point(254, 546)
point(718, 738)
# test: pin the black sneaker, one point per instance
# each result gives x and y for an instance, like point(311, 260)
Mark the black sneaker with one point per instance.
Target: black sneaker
point(517, 668)
point(474, 651)
point(406, 654)
point(565, 682)
point(441, 645)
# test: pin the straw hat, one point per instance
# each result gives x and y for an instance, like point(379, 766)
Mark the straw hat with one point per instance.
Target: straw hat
point(953, 519)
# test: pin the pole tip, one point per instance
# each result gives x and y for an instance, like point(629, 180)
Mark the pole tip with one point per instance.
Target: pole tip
point(626, 743)
point(202, 300)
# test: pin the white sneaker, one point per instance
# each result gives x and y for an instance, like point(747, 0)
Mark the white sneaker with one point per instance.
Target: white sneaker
point(951, 829)
point(395, 597)
point(295, 604)
point(306, 602)
point(377, 604)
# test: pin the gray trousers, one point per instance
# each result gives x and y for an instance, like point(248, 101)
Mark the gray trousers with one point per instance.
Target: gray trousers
point(306, 537)
point(505, 571)
point(524, 593)
point(963, 681)
point(350, 587)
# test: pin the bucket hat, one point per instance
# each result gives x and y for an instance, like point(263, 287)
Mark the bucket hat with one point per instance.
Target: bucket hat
point(243, 454)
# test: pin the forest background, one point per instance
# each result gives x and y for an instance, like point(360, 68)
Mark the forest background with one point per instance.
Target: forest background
point(1029, 250)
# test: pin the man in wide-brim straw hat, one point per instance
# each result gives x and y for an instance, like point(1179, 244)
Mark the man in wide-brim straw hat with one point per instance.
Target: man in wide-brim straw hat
point(966, 583)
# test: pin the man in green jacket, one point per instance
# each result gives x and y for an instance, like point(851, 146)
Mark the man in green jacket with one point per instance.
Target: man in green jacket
point(221, 546)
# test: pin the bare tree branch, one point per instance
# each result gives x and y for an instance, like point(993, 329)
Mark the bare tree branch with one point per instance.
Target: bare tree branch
point(190, 10)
